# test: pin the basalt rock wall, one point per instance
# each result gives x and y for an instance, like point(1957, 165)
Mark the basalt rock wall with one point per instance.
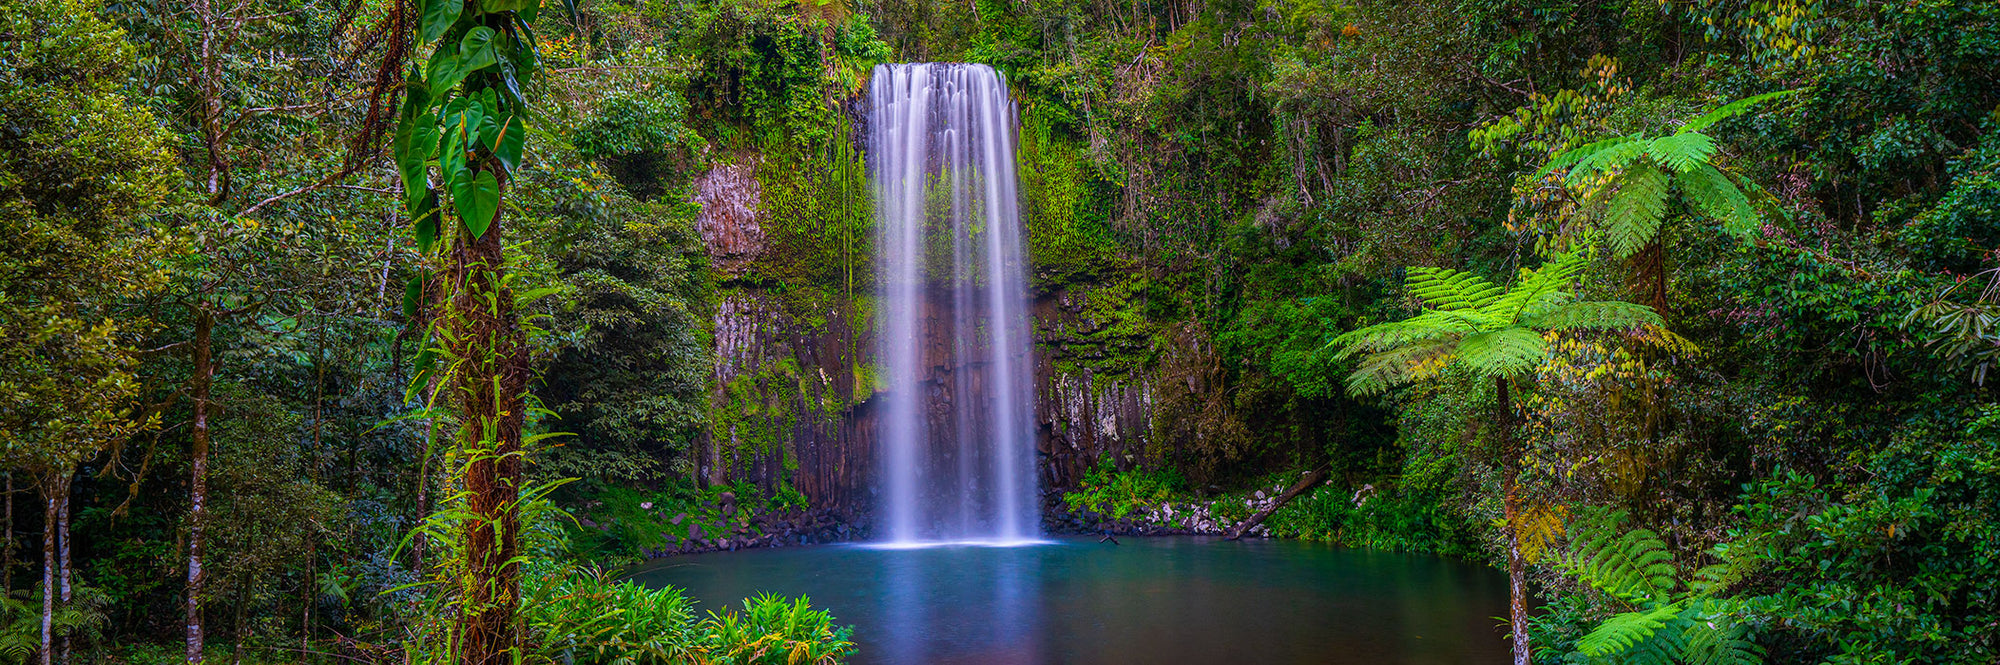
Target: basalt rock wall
point(793, 395)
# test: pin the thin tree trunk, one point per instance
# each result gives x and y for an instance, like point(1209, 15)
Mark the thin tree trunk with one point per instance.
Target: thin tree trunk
point(204, 373)
point(491, 389)
point(242, 636)
point(310, 591)
point(62, 562)
point(49, 565)
point(7, 553)
point(1517, 573)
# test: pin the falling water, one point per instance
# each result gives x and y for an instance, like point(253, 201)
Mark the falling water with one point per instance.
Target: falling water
point(957, 444)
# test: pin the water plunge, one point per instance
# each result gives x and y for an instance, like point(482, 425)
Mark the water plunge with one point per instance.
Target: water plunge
point(957, 434)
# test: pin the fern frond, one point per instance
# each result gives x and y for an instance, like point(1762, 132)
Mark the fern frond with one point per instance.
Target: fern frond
point(1429, 326)
point(1539, 288)
point(1633, 565)
point(1633, 217)
point(1624, 631)
point(1733, 109)
point(1447, 289)
point(1382, 371)
point(1593, 315)
point(1719, 199)
point(1714, 637)
point(1503, 352)
point(1682, 152)
point(1612, 158)
point(1570, 158)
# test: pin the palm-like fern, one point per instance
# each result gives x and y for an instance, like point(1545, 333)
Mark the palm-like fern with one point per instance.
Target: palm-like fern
point(1635, 174)
point(1491, 331)
point(1669, 625)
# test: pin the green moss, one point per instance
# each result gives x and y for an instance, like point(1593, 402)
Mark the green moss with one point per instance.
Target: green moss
point(1069, 233)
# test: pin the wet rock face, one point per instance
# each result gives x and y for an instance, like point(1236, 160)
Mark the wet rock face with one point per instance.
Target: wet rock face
point(811, 424)
point(729, 196)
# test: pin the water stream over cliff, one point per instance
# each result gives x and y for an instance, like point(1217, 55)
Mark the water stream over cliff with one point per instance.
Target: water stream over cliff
point(957, 440)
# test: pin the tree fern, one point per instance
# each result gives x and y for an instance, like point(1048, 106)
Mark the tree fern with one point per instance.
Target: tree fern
point(1718, 198)
point(1734, 109)
point(1682, 152)
point(1644, 171)
point(1469, 321)
point(1633, 217)
point(1446, 289)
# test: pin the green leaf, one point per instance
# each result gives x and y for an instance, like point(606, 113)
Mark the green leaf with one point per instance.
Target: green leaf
point(438, 15)
point(1504, 352)
point(491, 6)
point(1625, 631)
point(419, 379)
point(415, 140)
point(476, 199)
point(475, 51)
point(508, 145)
point(1718, 198)
point(442, 72)
point(1613, 157)
point(413, 291)
point(1570, 158)
point(1733, 109)
point(1682, 152)
point(1594, 315)
point(1447, 289)
point(1633, 217)
point(426, 226)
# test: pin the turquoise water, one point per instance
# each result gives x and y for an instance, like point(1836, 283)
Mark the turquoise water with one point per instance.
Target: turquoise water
point(1148, 600)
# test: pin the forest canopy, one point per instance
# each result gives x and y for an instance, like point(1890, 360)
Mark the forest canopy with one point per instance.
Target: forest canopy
point(391, 331)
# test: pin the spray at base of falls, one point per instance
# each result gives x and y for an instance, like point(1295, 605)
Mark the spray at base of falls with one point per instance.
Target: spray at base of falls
point(957, 428)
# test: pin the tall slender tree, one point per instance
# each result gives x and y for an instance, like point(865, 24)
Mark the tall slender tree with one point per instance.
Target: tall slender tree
point(1496, 335)
point(464, 112)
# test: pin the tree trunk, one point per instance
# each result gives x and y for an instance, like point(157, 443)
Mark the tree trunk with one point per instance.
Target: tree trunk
point(204, 374)
point(491, 390)
point(62, 563)
point(1517, 573)
point(7, 553)
point(1306, 483)
point(51, 494)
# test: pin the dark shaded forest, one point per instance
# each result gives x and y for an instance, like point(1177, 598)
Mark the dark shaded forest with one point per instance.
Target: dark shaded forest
point(391, 330)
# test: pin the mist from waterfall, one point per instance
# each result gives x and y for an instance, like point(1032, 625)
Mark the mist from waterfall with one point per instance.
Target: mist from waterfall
point(957, 438)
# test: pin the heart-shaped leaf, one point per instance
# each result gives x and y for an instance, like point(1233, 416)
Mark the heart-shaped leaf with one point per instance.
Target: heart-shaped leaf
point(507, 146)
point(426, 223)
point(475, 51)
point(476, 199)
point(443, 72)
point(412, 292)
point(415, 141)
point(438, 17)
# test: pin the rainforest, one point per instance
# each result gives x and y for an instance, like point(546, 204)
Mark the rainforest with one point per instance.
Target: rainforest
point(999, 331)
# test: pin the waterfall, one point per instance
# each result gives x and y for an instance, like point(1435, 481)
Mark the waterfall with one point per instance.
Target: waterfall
point(957, 437)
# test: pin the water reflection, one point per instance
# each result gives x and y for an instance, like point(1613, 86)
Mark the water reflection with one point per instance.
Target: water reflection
point(1164, 600)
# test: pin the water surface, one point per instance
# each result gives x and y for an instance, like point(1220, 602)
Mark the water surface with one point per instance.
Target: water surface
point(1149, 600)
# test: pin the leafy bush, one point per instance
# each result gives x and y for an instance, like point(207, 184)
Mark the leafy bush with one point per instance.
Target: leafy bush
point(584, 616)
point(1107, 490)
point(629, 521)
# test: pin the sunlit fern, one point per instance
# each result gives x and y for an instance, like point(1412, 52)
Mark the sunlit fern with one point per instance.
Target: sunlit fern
point(1488, 330)
point(1630, 177)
